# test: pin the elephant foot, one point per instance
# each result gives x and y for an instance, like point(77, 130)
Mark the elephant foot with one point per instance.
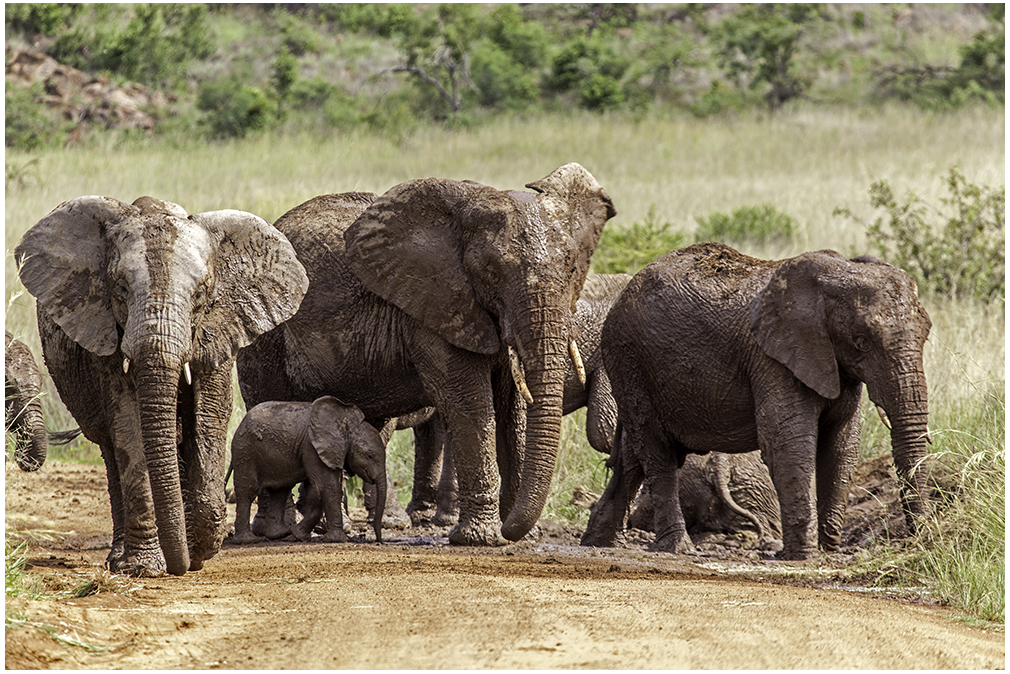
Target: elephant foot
point(445, 518)
point(303, 532)
point(145, 564)
point(475, 535)
point(673, 541)
point(421, 512)
point(786, 555)
point(337, 536)
point(276, 532)
point(245, 538)
point(195, 564)
point(598, 539)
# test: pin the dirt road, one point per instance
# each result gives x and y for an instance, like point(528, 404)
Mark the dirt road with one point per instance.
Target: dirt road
point(416, 603)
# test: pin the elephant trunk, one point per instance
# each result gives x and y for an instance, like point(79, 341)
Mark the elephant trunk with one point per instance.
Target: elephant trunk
point(158, 371)
point(32, 439)
point(909, 414)
point(544, 357)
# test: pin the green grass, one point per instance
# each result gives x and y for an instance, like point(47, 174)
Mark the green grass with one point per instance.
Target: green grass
point(805, 162)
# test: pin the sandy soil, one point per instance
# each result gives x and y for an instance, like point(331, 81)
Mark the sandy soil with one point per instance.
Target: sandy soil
point(415, 602)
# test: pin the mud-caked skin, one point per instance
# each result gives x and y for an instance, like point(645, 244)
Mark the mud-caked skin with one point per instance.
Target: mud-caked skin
point(141, 310)
point(280, 444)
point(433, 499)
point(417, 298)
point(711, 350)
point(23, 405)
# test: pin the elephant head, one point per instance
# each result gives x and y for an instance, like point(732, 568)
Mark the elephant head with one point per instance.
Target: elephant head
point(23, 404)
point(829, 319)
point(163, 296)
point(493, 272)
point(342, 438)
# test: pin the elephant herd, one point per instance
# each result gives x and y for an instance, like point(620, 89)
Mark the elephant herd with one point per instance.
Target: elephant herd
point(468, 314)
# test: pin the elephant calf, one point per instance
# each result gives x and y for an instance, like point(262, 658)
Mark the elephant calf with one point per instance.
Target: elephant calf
point(281, 444)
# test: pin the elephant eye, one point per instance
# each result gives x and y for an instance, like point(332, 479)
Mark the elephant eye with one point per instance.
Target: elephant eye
point(862, 343)
point(121, 289)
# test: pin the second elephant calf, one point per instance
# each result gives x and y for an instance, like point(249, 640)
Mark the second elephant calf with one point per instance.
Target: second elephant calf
point(280, 444)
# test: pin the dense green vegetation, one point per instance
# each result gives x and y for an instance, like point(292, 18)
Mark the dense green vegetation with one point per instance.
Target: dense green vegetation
point(232, 70)
point(870, 129)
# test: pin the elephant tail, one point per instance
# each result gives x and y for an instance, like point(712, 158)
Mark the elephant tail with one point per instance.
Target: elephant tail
point(63, 437)
point(720, 463)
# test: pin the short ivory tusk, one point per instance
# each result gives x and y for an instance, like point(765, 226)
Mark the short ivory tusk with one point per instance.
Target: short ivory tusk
point(189, 375)
point(580, 369)
point(126, 365)
point(519, 377)
point(883, 417)
point(929, 436)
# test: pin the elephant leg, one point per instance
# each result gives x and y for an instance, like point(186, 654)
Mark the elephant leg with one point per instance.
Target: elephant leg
point(607, 520)
point(790, 448)
point(118, 549)
point(428, 461)
point(276, 506)
point(142, 555)
point(204, 460)
point(466, 405)
point(837, 452)
point(447, 513)
point(662, 479)
point(243, 505)
point(259, 523)
point(331, 493)
point(310, 503)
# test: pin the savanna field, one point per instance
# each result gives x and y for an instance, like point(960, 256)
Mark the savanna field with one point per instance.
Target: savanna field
point(812, 175)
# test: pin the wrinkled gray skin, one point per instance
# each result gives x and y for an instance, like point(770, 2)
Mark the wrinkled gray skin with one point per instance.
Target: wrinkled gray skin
point(722, 494)
point(711, 350)
point(434, 495)
point(281, 444)
point(128, 298)
point(415, 300)
point(23, 405)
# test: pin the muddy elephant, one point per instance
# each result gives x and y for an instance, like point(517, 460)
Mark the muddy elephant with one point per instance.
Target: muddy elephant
point(23, 407)
point(711, 350)
point(141, 310)
point(434, 494)
point(280, 444)
point(418, 297)
point(722, 494)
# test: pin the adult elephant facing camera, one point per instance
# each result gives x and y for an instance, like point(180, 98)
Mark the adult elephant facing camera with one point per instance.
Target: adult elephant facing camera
point(418, 297)
point(141, 310)
point(709, 350)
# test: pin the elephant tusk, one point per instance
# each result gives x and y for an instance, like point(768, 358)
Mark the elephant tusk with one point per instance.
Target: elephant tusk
point(126, 365)
point(519, 377)
point(580, 369)
point(883, 417)
point(929, 436)
point(189, 375)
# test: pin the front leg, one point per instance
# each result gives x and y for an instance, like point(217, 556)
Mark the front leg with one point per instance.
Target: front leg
point(460, 384)
point(837, 453)
point(205, 409)
point(787, 435)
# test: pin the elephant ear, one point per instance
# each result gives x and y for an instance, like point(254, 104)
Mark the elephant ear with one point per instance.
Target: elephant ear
point(258, 284)
point(330, 424)
point(407, 248)
point(62, 262)
point(789, 322)
point(571, 196)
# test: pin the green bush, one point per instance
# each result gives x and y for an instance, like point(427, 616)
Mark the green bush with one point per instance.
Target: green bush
point(35, 18)
point(758, 225)
point(232, 109)
point(957, 250)
point(628, 249)
point(27, 125)
point(593, 69)
point(501, 82)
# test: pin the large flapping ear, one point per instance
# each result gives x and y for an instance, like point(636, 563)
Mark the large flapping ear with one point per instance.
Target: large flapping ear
point(259, 283)
point(62, 262)
point(789, 322)
point(571, 196)
point(407, 248)
point(330, 423)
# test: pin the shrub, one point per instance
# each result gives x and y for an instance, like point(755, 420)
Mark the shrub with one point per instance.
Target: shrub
point(32, 18)
point(26, 124)
point(232, 109)
point(593, 69)
point(501, 82)
point(956, 250)
point(758, 225)
point(628, 249)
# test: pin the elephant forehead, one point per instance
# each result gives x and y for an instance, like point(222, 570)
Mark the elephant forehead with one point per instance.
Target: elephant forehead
point(167, 252)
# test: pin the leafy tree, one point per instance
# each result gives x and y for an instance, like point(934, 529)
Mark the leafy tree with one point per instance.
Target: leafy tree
point(232, 109)
point(38, 18)
point(755, 47)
